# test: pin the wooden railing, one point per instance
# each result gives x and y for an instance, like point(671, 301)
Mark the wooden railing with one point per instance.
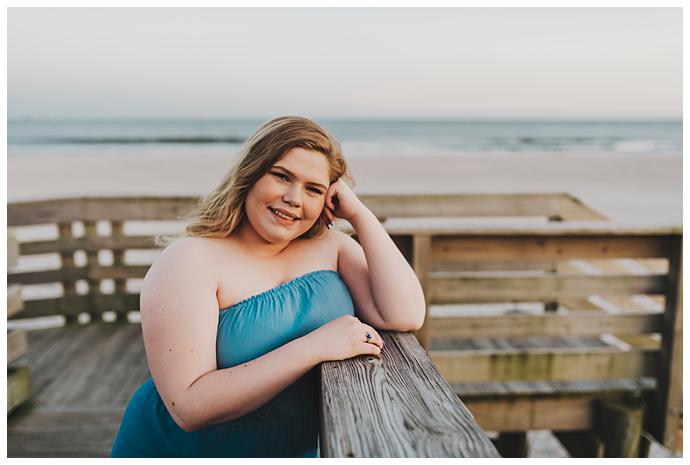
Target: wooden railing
point(111, 213)
point(467, 265)
point(529, 256)
point(395, 405)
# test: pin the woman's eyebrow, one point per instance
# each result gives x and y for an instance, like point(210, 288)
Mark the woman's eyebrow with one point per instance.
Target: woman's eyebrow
point(293, 175)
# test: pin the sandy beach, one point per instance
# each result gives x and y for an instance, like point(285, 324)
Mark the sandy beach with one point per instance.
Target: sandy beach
point(623, 186)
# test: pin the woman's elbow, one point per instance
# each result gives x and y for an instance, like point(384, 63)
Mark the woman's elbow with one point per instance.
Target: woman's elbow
point(416, 323)
point(185, 418)
point(185, 424)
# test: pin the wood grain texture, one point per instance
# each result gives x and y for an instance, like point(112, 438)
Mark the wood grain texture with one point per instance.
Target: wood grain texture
point(451, 249)
point(82, 377)
point(581, 323)
point(449, 288)
point(397, 405)
point(563, 364)
point(509, 228)
point(557, 204)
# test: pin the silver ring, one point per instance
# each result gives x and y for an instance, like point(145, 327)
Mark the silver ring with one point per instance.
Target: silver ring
point(369, 336)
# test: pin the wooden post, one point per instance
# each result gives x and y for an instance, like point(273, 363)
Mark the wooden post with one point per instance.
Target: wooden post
point(619, 425)
point(668, 398)
point(421, 263)
point(67, 263)
point(95, 312)
point(18, 377)
point(118, 261)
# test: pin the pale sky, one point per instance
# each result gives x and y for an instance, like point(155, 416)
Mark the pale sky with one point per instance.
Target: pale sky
point(345, 62)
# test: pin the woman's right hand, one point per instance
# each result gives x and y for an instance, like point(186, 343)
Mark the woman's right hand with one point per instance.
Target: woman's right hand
point(344, 337)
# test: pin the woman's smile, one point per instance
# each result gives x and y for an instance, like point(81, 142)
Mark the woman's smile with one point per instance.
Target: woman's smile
point(281, 218)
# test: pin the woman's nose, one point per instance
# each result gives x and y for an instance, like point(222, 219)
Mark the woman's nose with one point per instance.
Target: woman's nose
point(292, 197)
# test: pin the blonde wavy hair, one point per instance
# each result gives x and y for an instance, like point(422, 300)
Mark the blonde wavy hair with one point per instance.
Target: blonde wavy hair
point(220, 213)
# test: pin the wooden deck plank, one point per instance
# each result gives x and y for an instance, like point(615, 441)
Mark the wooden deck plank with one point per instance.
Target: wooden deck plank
point(58, 368)
point(63, 433)
point(77, 400)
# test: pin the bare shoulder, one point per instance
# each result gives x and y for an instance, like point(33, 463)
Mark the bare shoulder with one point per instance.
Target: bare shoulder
point(184, 267)
point(192, 252)
point(187, 247)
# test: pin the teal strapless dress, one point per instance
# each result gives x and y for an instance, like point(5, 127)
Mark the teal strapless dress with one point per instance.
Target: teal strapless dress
point(286, 426)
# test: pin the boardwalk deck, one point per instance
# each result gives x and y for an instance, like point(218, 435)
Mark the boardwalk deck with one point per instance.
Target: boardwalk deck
point(82, 376)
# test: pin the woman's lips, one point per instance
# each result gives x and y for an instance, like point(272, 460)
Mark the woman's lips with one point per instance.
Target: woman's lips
point(282, 221)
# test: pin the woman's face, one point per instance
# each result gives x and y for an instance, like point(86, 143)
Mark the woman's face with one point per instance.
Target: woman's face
point(296, 185)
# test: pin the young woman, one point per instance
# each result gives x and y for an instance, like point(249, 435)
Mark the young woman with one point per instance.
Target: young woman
point(292, 292)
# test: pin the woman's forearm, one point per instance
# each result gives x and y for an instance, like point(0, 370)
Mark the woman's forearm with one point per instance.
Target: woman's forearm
point(226, 394)
point(394, 284)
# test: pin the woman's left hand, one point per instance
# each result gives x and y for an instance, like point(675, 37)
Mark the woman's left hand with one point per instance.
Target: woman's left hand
point(341, 202)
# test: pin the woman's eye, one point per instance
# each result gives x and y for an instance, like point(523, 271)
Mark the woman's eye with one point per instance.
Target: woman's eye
point(280, 176)
point(315, 190)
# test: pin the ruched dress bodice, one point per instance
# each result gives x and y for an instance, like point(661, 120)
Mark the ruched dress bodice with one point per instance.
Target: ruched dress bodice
point(286, 426)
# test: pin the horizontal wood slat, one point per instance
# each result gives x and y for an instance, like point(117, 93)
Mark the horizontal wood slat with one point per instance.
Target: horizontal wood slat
point(74, 274)
point(465, 205)
point(586, 387)
point(412, 226)
point(94, 209)
point(73, 305)
point(528, 414)
point(88, 244)
point(582, 323)
point(544, 364)
point(535, 248)
point(560, 205)
point(447, 288)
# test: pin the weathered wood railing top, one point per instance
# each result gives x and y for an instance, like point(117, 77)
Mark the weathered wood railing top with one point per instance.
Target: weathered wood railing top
point(556, 207)
point(395, 405)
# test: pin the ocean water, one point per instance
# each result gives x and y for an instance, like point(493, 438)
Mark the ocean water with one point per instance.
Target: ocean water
point(169, 137)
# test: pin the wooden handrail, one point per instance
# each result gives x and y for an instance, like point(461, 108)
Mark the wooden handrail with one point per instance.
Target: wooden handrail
point(553, 206)
point(395, 405)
